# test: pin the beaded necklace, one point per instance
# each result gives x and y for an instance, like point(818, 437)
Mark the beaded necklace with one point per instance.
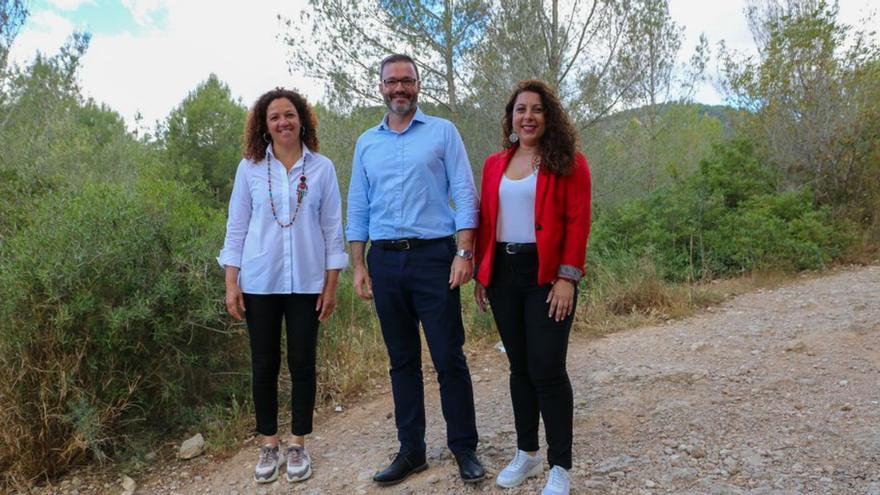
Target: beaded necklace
point(301, 190)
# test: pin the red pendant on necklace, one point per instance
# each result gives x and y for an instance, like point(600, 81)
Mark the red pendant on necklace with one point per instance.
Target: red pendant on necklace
point(302, 189)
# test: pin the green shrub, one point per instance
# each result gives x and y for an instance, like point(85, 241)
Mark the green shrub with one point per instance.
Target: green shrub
point(727, 218)
point(112, 315)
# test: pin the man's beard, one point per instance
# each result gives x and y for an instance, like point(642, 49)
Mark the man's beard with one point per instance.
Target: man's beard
point(398, 108)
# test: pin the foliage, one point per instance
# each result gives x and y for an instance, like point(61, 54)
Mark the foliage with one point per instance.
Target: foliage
point(12, 15)
point(48, 132)
point(342, 43)
point(600, 55)
point(728, 218)
point(630, 157)
point(202, 136)
point(116, 325)
point(813, 97)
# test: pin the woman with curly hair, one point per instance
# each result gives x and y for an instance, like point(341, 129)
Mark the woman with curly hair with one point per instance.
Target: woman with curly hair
point(282, 255)
point(531, 244)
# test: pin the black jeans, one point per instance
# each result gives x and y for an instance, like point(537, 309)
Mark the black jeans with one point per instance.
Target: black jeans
point(264, 313)
point(536, 348)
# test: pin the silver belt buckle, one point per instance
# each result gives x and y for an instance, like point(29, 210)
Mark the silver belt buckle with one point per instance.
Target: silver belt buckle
point(511, 248)
point(405, 244)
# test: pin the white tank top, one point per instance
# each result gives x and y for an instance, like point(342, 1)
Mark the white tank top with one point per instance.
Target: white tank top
point(516, 209)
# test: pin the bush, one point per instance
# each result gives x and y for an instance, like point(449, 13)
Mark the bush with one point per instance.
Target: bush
point(725, 219)
point(112, 322)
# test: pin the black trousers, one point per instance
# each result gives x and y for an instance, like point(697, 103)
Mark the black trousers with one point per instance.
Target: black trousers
point(536, 348)
point(264, 313)
point(409, 287)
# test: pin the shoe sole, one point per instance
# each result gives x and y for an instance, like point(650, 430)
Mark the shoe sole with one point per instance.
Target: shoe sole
point(295, 479)
point(538, 469)
point(271, 478)
point(415, 470)
point(475, 480)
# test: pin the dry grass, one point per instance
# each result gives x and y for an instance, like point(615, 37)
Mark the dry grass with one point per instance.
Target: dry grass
point(641, 297)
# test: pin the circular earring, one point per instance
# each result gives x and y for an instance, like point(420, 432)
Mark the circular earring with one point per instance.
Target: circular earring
point(302, 131)
point(513, 137)
point(266, 138)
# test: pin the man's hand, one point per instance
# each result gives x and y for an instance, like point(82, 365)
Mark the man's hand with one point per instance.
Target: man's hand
point(461, 272)
point(363, 286)
point(462, 268)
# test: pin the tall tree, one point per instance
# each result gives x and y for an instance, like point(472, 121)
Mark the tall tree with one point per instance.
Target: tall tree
point(660, 82)
point(592, 51)
point(811, 91)
point(341, 42)
point(12, 16)
point(39, 100)
point(204, 132)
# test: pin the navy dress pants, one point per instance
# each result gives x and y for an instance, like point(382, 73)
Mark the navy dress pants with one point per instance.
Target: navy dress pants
point(409, 287)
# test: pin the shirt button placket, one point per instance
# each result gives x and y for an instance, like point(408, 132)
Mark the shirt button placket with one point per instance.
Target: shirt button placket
point(401, 196)
point(287, 236)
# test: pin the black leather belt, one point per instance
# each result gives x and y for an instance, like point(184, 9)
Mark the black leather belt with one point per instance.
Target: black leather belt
point(406, 244)
point(517, 247)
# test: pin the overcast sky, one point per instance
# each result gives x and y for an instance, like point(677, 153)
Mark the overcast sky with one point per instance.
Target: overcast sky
point(146, 55)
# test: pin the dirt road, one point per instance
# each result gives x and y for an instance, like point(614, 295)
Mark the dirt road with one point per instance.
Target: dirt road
point(775, 391)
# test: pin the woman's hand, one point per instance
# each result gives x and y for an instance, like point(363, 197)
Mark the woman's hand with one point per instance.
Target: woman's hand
point(326, 303)
point(480, 296)
point(561, 299)
point(327, 300)
point(234, 301)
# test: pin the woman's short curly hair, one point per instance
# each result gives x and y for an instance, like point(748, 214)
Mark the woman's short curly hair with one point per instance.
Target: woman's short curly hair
point(255, 128)
point(560, 140)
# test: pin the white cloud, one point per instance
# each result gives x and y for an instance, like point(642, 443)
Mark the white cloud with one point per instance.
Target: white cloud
point(151, 72)
point(70, 5)
point(44, 32)
point(143, 10)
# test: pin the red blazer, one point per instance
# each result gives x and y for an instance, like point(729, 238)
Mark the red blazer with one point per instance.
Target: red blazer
point(562, 218)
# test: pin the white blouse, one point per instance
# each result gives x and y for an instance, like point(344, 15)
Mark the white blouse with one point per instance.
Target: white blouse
point(275, 260)
point(516, 209)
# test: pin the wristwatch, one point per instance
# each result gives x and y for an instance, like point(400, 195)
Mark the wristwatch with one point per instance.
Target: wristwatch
point(465, 253)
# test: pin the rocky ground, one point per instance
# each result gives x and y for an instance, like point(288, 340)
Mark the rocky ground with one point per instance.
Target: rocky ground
point(773, 392)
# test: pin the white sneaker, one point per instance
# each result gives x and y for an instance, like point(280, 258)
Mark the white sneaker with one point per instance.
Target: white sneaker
point(521, 467)
point(299, 464)
point(268, 465)
point(558, 483)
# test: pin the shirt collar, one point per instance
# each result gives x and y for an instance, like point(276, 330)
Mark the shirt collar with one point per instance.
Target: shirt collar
point(418, 117)
point(306, 150)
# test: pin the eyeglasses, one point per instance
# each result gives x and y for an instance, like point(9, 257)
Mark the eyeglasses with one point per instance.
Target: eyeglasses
point(407, 82)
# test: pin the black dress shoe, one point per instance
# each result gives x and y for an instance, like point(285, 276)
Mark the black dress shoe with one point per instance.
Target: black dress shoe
point(469, 467)
point(401, 467)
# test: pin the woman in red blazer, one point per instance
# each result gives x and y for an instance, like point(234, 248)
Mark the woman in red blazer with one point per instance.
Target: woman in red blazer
point(531, 244)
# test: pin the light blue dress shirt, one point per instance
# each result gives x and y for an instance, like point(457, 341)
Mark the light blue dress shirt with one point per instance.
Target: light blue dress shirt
point(401, 182)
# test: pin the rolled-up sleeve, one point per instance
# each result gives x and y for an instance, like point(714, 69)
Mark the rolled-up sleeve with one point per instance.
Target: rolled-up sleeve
point(238, 220)
point(358, 215)
point(331, 224)
point(461, 181)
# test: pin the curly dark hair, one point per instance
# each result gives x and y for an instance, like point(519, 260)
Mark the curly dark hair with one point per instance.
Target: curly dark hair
point(560, 140)
point(255, 127)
